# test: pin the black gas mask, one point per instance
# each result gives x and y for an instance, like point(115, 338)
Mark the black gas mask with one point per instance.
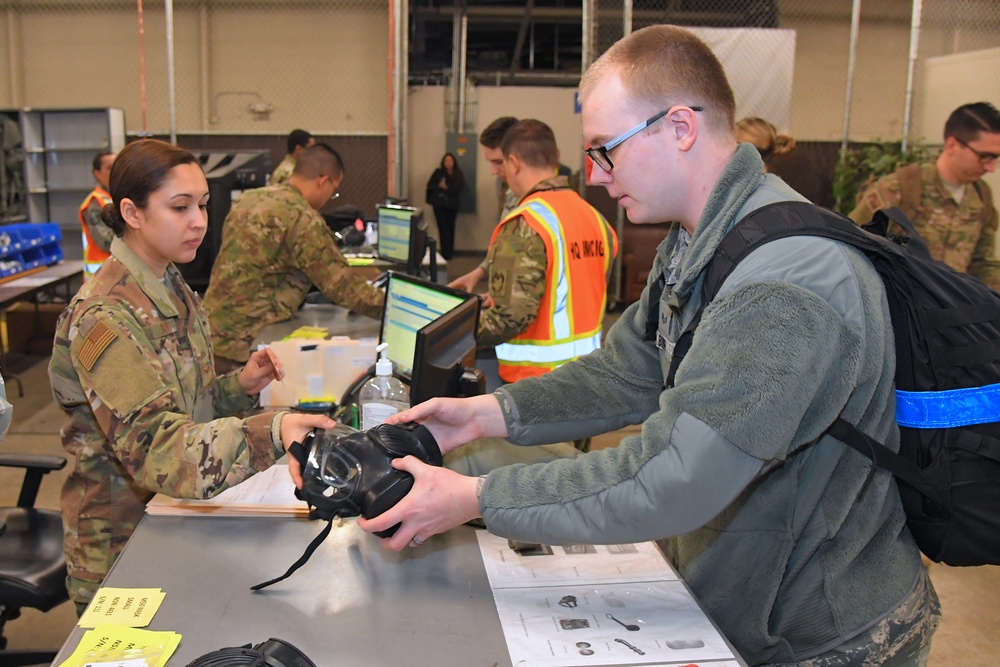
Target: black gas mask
point(348, 473)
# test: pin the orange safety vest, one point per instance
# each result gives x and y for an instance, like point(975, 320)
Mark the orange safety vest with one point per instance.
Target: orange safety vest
point(93, 256)
point(570, 315)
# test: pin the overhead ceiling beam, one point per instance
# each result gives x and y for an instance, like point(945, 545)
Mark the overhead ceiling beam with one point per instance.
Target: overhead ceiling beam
point(515, 61)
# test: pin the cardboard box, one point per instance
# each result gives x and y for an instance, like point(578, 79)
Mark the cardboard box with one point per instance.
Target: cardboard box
point(28, 328)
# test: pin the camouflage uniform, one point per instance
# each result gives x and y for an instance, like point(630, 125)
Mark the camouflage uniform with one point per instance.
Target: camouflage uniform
point(962, 235)
point(508, 202)
point(274, 248)
point(99, 231)
point(515, 267)
point(283, 171)
point(132, 366)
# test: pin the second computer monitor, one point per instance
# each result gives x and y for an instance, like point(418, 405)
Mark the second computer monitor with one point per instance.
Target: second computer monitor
point(411, 304)
point(402, 236)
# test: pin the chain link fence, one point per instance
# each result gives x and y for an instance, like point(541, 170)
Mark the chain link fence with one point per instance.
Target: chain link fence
point(246, 72)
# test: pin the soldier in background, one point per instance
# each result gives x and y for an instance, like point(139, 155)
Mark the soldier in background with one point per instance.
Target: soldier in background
point(765, 138)
point(491, 140)
point(132, 367)
point(950, 205)
point(548, 260)
point(297, 141)
point(96, 235)
point(275, 247)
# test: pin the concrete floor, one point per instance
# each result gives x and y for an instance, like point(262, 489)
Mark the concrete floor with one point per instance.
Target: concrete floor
point(968, 595)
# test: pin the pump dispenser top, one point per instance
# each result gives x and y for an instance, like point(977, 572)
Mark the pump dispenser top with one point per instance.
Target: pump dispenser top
point(383, 366)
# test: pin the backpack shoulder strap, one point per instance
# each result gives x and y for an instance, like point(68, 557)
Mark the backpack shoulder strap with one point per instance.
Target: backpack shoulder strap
point(766, 224)
point(985, 196)
point(911, 188)
point(777, 221)
point(884, 458)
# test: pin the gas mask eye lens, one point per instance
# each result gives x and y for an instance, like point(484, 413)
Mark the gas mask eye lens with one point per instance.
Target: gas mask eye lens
point(339, 468)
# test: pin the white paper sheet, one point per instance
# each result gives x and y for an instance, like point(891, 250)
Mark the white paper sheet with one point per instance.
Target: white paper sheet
point(583, 563)
point(598, 605)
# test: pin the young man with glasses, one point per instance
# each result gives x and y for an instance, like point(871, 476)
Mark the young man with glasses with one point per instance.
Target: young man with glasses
point(769, 520)
point(950, 204)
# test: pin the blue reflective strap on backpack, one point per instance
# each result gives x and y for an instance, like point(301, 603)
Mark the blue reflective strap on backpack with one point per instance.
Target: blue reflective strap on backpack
point(948, 409)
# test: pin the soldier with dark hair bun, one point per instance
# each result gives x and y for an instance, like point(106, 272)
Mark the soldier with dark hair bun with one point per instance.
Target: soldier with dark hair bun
point(132, 366)
point(764, 137)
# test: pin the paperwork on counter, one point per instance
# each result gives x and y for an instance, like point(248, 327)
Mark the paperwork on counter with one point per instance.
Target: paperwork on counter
point(268, 493)
point(598, 605)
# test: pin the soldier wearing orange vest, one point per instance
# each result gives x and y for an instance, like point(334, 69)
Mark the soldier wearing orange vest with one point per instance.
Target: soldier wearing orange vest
point(97, 236)
point(549, 262)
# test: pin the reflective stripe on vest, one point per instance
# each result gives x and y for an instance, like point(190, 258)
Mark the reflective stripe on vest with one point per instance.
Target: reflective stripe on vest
point(555, 337)
point(557, 353)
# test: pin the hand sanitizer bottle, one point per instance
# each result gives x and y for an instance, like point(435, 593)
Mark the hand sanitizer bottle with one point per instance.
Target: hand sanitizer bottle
point(383, 395)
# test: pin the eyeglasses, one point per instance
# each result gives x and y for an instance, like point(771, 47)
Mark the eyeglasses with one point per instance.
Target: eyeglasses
point(984, 158)
point(600, 154)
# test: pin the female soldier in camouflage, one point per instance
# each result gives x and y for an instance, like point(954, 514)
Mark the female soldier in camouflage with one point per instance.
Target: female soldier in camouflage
point(132, 366)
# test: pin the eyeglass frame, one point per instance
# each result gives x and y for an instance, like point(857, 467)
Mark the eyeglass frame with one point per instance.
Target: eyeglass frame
point(984, 158)
point(602, 151)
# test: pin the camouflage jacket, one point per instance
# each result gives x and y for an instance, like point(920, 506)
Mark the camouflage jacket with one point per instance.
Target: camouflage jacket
point(274, 248)
point(515, 268)
point(962, 235)
point(132, 366)
point(283, 171)
point(508, 202)
point(99, 230)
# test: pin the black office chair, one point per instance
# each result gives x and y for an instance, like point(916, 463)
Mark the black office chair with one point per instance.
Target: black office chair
point(32, 563)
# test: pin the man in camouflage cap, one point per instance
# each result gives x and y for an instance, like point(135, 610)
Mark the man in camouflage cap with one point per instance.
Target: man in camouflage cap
point(297, 141)
point(947, 200)
point(275, 246)
point(548, 261)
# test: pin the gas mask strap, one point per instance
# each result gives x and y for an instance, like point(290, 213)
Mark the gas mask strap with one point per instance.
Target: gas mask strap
point(318, 540)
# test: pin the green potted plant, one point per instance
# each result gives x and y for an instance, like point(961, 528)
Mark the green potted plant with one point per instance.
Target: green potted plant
point(863, 164)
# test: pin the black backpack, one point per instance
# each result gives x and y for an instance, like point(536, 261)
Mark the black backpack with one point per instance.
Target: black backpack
point(947, 334)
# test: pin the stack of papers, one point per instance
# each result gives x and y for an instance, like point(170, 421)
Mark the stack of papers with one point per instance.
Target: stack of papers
point(268, 493)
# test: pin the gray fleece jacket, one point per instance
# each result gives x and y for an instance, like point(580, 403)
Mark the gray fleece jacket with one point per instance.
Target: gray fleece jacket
point(762, 510)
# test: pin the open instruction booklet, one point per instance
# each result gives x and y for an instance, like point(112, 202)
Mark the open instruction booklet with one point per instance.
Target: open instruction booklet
point(597, 605)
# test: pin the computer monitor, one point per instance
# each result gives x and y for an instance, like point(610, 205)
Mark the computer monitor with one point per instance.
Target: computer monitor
point(402, 236)
point(410, 305)
point(444, 355)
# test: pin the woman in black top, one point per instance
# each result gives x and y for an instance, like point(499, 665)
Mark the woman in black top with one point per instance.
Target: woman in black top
point(444, 191)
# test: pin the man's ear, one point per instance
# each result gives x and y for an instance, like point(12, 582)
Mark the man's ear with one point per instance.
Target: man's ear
point(514, 163)
point(130, 213)
point(684, 124)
